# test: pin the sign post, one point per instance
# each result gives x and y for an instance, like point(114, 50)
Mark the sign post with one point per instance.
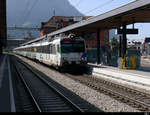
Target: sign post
point(124, 31)
point(127, 31)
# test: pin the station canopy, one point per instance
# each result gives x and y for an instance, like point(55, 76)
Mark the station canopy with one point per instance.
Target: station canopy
point(137, 11)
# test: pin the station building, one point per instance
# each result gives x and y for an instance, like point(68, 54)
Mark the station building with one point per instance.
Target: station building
point(58, 22)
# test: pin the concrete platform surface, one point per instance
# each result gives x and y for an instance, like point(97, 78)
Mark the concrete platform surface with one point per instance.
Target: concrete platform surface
point(139, 78)
point(6, 95)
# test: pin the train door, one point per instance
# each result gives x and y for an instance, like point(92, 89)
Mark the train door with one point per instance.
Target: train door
point(50, 56)
point(58, 54)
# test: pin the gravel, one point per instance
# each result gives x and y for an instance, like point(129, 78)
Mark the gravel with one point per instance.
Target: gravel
point(101, 101)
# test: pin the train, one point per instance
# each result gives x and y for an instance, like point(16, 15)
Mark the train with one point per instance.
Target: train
point(60, 52)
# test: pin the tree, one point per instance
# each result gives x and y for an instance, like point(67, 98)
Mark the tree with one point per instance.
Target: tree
point(114, 43)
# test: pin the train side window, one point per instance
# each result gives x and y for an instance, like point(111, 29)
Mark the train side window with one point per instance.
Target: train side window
point(54, 49)
point(44, 49)
point(38, 49)
point(47, 49)
point(50, 49)
point(57, 48)
point(41, 48)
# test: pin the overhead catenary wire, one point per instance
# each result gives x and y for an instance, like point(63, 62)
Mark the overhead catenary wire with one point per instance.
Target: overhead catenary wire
point(27, 6)
point(78, 3)
point(20, 19)
point(30, 10)
point(100, 6)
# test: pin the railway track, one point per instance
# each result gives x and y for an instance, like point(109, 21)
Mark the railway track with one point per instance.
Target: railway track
point(43, 96)
point(132, 97)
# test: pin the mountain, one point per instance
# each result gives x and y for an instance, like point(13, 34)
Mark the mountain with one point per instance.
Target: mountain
point(33, 12)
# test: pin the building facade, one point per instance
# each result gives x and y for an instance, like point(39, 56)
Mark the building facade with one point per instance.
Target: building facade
point(147, 46)
point(91, 44)
point(13, 43)
point(58, 22)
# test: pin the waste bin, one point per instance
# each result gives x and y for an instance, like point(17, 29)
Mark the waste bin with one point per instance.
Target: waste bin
point(131, 61)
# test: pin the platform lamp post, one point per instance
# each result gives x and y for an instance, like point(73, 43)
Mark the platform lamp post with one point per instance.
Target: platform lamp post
point(124, 39)
point(98, 46)
point(120, 46)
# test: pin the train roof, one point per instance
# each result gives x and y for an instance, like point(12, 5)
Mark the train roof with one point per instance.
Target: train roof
point(47, 42)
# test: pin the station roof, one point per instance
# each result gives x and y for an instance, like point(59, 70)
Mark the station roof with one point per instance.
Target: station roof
point(135, 12)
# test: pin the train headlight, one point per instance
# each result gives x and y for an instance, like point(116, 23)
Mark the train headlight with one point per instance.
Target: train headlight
point(83, 59)
point(64, 59)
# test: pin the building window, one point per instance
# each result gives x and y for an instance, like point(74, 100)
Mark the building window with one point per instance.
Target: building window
point(49, 30)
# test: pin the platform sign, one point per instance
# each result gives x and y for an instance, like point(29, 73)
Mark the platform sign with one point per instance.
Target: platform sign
point(128, 31)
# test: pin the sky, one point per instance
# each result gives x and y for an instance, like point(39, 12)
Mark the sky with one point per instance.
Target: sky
point(97, 7)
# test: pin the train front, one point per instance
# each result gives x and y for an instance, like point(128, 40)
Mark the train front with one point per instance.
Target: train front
point(73, 52)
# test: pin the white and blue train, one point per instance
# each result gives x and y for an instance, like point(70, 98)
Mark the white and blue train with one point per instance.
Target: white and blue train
point(59, 52)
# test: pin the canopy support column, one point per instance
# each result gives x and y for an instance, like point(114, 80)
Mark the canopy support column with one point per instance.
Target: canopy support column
point(98, 46)
point(3, 30)
point(124, 40)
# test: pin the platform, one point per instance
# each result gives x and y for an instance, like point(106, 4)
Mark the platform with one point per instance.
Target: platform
point(6, 92)
point(138, 78)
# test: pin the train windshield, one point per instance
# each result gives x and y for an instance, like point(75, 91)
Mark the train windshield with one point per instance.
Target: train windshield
point(68, 46)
